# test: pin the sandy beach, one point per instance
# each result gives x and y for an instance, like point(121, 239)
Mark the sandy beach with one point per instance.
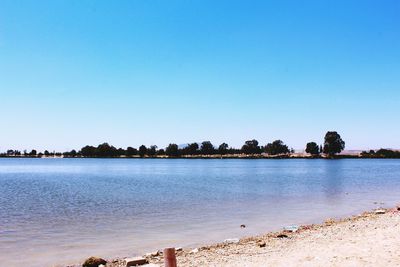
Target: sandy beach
point(369, 239)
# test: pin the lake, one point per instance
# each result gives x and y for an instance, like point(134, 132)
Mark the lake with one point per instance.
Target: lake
point(60, 211)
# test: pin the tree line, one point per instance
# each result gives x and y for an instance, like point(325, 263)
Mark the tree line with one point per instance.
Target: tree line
point(333, 144)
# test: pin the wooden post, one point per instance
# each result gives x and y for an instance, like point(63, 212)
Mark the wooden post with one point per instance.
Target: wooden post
point(169, 257)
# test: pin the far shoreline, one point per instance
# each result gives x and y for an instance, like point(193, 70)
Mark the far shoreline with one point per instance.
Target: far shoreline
point(249, 157)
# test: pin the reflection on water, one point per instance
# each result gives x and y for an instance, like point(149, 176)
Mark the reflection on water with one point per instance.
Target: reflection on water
point(63, 210)
point(333, 173)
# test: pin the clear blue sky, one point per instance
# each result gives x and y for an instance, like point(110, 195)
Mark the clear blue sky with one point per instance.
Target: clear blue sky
point(152, 72)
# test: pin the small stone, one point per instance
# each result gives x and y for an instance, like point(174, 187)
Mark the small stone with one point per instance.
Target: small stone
point(380, 211)
point(194, 250)
point(242, 226)
point(179, 249)
point(94, 262)
point(153, 254)
point(261, 244)
point(282, 236)
point(135, 261)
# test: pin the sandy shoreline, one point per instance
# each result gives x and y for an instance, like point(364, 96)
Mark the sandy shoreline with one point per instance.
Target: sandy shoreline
point(369, 239)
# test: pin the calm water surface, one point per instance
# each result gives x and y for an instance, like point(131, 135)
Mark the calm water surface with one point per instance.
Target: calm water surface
point(60, 211)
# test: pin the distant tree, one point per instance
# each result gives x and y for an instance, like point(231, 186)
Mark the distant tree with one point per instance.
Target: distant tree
point(73, 153)
point(33, 152)
point(172, 150)
point(366, 154)
point(66, 154)
point(232, 150)
point(10, 152)
point(88, 151)
point(276, 148)
point(152, 151)
point(312, 148)
point(251, 147)
point(333, 144)
point(386, 153)
point(106, 151)
point(191, 149)
point(142, 151)
point(46, 153)
point(161, 152)
point(207, 148)
point(223, 148)
point(130, 151)
point(121, 152)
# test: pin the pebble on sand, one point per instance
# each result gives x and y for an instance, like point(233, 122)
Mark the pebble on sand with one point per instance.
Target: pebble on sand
point(261, 244)
point(135, 261)
point(94, 262)
point(380, 211)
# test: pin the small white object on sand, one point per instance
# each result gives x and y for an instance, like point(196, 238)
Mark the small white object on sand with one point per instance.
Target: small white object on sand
point(380, 211)
point(194, 250)
point(291, 228)
point(232, 241)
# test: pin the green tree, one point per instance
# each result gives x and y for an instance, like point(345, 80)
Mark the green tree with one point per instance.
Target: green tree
point(386, 153)
point(106, 151)
point(121, 152)
point(333, 144)
point(191, 149)
point(142, 151)
point(130, 151)
point(88, 151)
point(172, 150)
point(152, 151)
point(312, 148)
point(251, 147)
point(276, 148)
point(223, 148)
point(207, 148)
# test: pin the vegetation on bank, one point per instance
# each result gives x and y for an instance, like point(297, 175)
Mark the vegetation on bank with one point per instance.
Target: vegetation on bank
point(381, 153)
point(333, 145)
